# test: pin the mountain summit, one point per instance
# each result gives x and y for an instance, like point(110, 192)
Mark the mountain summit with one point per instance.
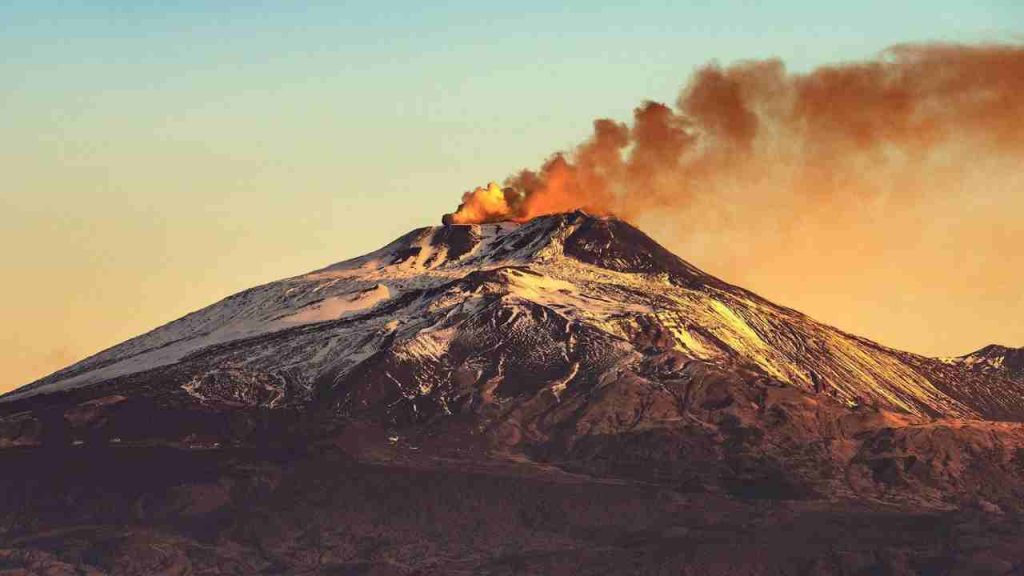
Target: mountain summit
point(996, 359)
point(458, 316)
point(562, 395)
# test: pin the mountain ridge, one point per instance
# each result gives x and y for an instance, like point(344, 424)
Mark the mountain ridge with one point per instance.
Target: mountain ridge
point(597, 272)
point(560, 396)
point(996, 358)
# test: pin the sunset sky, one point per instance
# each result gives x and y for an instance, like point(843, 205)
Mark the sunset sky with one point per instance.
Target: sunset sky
point(159, 156)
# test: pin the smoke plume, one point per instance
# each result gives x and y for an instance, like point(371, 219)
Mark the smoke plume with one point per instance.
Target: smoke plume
point(906, 170)
point(851, 130)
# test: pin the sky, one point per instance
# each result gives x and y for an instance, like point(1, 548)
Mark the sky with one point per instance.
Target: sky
point(159, 156)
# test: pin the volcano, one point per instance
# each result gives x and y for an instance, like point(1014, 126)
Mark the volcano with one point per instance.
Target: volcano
point(471, 313)
point(626, 408)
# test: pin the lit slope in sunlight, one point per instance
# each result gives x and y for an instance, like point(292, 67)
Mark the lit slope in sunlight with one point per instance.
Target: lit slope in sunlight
point(504, 309)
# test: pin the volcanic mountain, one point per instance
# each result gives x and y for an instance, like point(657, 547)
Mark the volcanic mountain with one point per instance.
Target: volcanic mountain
point(450, 315)
point(995, 360)
point(569, 348)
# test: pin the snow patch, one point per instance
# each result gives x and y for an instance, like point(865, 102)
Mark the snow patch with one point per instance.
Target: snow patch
point(339, 306)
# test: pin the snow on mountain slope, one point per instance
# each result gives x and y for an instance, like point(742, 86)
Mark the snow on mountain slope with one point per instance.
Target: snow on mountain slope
point(474, 314)
point(995, 359)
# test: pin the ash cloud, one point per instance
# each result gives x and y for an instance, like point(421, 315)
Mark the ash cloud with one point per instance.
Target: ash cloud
point(739, 125)
point(884, 196)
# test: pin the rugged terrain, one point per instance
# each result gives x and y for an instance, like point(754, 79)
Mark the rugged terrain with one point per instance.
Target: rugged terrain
point(559, 396)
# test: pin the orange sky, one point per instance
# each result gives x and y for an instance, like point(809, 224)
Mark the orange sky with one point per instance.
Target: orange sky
point(885, 196)
point(157, 158)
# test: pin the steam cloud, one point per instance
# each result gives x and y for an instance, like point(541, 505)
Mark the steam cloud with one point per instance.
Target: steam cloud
point(886, 196)
point(754, 134)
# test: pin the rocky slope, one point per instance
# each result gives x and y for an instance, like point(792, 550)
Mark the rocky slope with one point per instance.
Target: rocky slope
point(471, 313)
point(561, 396)
point(995, 360)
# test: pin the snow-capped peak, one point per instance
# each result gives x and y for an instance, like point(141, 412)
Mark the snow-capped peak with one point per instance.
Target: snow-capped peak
point(996, 358)
point(446, 313)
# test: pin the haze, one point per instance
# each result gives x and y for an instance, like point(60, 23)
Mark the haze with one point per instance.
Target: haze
point(159, 158)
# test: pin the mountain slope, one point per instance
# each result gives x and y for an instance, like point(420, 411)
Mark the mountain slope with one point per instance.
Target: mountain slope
point(995, 360)
point(447, 313)
point(561, 396)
